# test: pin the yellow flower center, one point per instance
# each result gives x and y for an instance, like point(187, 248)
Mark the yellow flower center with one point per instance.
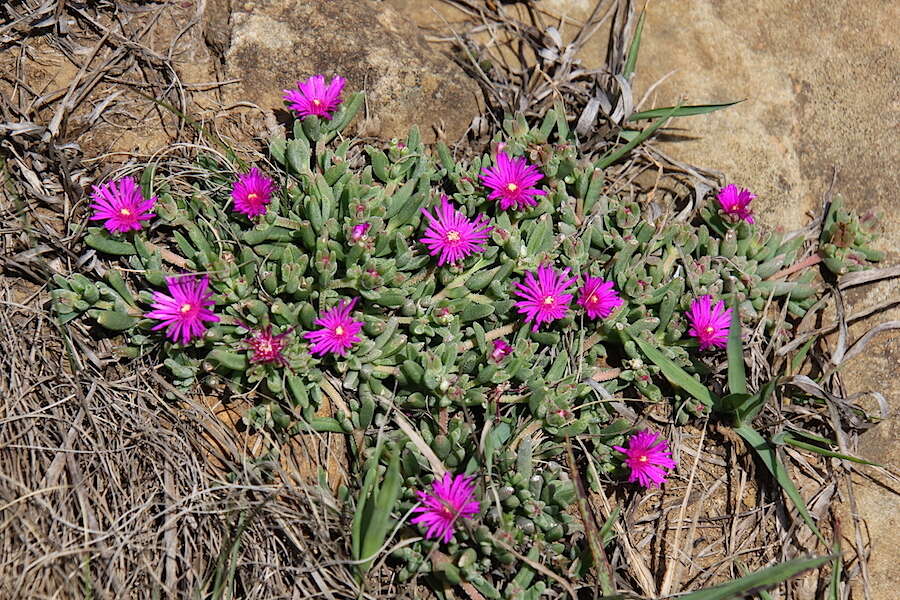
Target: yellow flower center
point(549, 300)
point(339, 330)
point(642, 458)
point(710, 329)
point(316, 101)
point(594, 299)
point(512, 187)
point(453, 236)
point(125, 212)
point(265, 347)
point(185, 307)
point(252, 196)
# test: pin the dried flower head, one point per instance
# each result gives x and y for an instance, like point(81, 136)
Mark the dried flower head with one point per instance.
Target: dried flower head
point(511, 182)
point(451, 236)
point(251, 192)
point(543, 298)
point(313, 97)
point(450, 498)
point(338, 331)
point(599, 297)
point(709, 323)
point(267, 347)
point(647, 456)
point(736, 202)
point(121, 205)
point(184, 311)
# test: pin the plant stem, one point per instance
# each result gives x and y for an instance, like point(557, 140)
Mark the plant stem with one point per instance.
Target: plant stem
point(809, 261)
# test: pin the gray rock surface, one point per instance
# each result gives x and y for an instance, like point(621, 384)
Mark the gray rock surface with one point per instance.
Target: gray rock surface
point(273, 43)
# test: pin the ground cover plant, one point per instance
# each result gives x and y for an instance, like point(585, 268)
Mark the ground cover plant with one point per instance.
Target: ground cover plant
point(494, 306)
point(489, 331)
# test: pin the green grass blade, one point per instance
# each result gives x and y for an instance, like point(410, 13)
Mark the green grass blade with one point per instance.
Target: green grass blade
point(765, 578)
point(798, 358)
point(380, 519)
point(676, 375)
point(737, 376)
point(767, 454)
point(609, 159)
point(634, 48)
point(356, 528)
point(834, 586)
point(681, 111)
point(752, 407)
point(792, 441)
point(606, 532)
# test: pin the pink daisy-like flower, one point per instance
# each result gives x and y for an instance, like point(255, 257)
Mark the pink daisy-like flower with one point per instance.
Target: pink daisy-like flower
point(451, 235)
point(511, 182)
point(338, 331)
point(647, 455)
point(313, 97)
point(735, 202)
point(184, 311)
point(122, 205)
point(251, 192)
point(359, 231)
point(501, 350)
point(544, 298)
point(709, 324)
point(599, 298)
point(267, 347)
point(449, 499)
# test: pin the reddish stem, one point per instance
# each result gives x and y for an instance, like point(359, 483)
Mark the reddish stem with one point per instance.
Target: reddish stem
point(809, 261)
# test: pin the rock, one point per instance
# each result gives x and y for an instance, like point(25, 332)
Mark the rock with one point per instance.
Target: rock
point(274, 43)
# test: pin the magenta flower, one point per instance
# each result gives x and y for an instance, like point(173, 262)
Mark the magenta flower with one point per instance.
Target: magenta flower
point(511, 182)
point(267, 347)
point(450, 498)
point(312, 97)
point(736, 203)
point(338, 331)
point(647, 455)
point(184, 310)
point(599, 298)
point(451, 235)
point(122, 205)
point(359, 231)
point(501, 350)
point(544, 298)
point(709, 324)
point(251, 192)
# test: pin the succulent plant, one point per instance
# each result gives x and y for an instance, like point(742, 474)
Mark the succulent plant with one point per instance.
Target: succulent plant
point(345, 222)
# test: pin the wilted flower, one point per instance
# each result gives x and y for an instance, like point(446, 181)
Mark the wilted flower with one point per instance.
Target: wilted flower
point(598, 297)
point(511, 182)
point(736, 203)
point(338, 331)
point(122, 205)
point(501, 350)
point(251, 192)
point(647, 455)
point(267, 347)
point(451, 236)
point(544, 298)
point(449, 499)
point(313, 97)
point(709, 324)
point(184, 311)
